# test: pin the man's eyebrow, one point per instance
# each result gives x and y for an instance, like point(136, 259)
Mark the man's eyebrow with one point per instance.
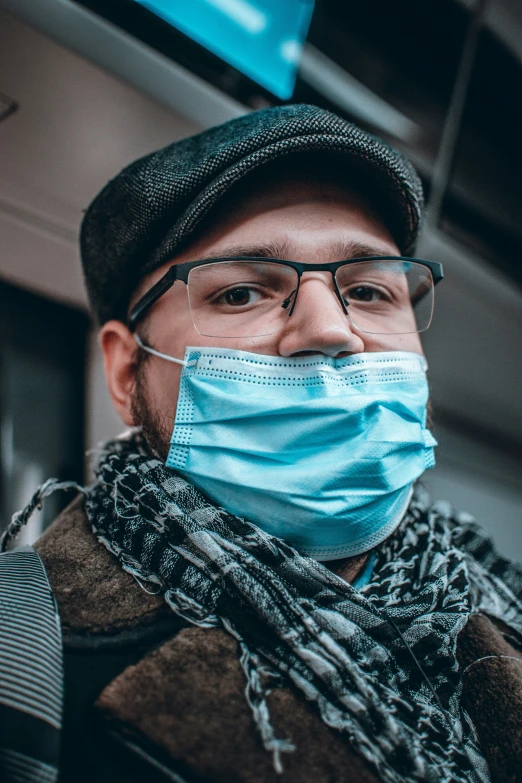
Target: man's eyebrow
point(270, 249)
point(353, 249)
point(337, 251)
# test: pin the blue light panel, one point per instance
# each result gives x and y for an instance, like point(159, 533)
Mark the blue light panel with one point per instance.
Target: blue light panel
point(261, 38)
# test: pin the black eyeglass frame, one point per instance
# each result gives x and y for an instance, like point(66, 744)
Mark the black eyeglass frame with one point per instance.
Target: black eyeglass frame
point(181, 272)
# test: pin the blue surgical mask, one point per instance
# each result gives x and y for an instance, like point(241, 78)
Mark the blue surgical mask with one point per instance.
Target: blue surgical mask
point(320, 452)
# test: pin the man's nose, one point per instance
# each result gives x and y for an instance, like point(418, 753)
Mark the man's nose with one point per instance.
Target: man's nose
point(318, 323)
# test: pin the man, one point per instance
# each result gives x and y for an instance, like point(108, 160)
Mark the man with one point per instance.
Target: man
point(252, 591)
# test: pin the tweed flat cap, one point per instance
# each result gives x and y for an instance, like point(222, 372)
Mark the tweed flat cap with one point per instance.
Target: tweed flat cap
point(148, 211)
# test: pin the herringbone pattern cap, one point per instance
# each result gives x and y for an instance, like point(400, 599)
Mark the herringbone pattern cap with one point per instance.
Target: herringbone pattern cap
point(143, 216)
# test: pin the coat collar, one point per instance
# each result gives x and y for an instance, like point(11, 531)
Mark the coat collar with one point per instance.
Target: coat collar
point(101, 605)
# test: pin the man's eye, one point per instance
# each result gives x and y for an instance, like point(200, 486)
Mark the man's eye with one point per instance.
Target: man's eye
point(364, 293)
point(240, 296)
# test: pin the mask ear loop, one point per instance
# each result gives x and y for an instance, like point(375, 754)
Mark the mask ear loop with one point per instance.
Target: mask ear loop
point(159, 354)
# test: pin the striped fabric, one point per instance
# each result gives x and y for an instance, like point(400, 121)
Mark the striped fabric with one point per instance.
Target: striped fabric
point(31, 671)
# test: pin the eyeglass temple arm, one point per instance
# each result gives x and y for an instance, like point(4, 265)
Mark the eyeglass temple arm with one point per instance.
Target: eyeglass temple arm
point(157, 290)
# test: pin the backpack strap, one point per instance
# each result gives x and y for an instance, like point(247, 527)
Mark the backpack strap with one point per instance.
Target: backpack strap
point(31, 671)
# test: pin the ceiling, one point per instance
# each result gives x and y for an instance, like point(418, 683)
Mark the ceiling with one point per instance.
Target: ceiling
point(75, 127)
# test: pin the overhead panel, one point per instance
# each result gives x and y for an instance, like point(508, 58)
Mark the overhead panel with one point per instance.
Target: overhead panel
point(261, 38)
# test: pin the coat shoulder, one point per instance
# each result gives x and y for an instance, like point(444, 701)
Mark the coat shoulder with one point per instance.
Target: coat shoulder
point(95, 596)
point(184, 705)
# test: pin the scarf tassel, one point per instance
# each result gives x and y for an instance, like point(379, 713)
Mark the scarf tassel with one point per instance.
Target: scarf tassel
point(257, 690)
point(21, 518)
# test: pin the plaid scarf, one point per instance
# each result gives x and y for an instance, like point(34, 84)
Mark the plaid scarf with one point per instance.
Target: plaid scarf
point(380, 664)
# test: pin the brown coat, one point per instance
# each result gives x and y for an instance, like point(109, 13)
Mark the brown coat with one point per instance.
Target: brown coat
point(169, 704)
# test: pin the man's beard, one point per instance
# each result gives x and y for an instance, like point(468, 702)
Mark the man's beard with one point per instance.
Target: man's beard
point(156, 427)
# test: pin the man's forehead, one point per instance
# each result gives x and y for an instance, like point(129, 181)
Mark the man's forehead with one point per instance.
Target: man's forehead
point(277, 216)
point(288, 249)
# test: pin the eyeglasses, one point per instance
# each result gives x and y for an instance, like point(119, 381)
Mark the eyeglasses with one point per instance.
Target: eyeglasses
point(253, 297)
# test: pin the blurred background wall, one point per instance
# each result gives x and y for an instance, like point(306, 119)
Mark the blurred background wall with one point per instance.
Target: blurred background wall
point(87, 88)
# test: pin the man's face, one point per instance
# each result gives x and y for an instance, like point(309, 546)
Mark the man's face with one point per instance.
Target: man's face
point(299, 221)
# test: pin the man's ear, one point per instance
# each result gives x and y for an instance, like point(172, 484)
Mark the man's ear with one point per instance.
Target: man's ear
point(119, 358)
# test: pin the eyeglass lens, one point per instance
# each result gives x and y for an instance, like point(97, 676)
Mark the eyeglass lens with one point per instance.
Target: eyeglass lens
point(254, 298)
